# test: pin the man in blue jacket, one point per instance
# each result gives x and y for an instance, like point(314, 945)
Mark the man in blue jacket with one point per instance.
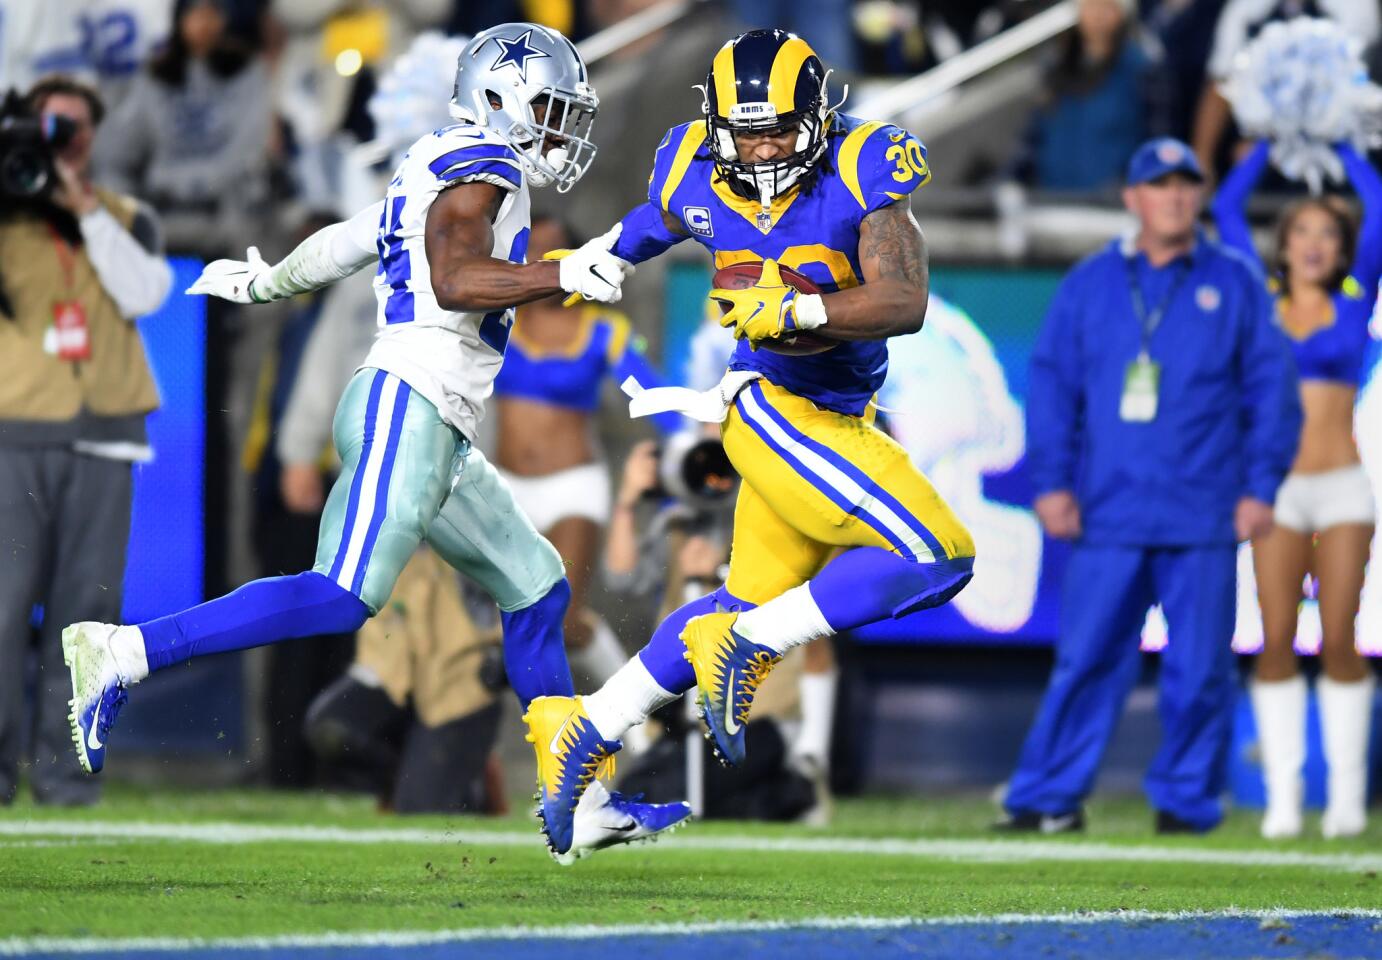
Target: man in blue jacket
point(1162, 415)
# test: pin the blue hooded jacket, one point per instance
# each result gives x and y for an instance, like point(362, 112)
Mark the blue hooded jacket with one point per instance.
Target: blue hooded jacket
point(1228, 415)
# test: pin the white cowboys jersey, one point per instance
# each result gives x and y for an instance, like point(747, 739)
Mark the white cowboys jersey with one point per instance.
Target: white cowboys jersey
point(450, 358)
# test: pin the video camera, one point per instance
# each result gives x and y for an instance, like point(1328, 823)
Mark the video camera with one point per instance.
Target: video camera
point(695, 469)
point(28, 142)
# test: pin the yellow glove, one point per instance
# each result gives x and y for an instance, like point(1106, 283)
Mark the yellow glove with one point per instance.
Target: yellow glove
point(769, 309)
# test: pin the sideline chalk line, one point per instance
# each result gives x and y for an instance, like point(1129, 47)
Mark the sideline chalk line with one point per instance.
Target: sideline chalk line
point(987, 851)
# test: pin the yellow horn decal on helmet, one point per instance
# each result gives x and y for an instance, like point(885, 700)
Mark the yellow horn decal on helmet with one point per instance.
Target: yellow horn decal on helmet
point(722, 70)
point(782, 81)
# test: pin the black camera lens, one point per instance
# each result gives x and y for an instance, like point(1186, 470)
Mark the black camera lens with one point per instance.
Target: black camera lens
point(24, 171)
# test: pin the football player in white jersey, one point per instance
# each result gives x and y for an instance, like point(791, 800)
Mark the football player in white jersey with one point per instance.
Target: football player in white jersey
point(450, 239)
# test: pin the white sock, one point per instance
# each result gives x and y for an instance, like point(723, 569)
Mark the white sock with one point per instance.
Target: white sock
point(817, 717)
point(602, 657)
point(1279, 709)
point(127, 649)
point(627, 699)
point(784, 622)
point(1345, 719)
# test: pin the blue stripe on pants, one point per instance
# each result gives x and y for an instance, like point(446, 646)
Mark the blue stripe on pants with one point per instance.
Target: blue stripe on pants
point(381, 501)
point(353, 505)
point(867, 483)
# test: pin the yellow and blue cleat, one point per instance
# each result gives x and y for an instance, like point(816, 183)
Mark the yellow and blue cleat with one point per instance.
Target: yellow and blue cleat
point(570, 754)
point(728, 672)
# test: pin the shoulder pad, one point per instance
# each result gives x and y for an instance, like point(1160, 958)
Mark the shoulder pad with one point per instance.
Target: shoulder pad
point(468, 152)
point(674, 155)
point(880, 163)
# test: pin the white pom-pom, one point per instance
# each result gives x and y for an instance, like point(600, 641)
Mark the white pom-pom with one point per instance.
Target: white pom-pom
point(1302, 84)
point(412, 97)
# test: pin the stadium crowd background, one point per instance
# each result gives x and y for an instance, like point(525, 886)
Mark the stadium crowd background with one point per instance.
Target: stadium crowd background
point(236, 119)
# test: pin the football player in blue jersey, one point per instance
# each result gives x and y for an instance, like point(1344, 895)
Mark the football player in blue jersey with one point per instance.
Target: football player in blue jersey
point(450, 239)
point(834, 527)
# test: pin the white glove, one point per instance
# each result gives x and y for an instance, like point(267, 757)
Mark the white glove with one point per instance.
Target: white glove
point(231, 279)
point(593, 272)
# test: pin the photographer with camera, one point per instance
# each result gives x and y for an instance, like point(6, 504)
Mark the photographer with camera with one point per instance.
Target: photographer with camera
point(77, 265)
point(681, 553)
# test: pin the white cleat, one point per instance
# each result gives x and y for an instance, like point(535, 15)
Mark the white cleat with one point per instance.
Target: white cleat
point(98, 691)
point(1340, 822)
point(1282, 822)
point(607, 819)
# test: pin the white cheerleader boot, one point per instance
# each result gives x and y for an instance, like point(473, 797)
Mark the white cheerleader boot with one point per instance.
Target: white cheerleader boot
point(1345, 718)
point(1279, 709)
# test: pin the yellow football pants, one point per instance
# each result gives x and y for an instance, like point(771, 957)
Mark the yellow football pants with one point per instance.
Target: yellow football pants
point(815, 481)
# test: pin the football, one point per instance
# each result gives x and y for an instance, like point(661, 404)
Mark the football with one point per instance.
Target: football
point(740, 276)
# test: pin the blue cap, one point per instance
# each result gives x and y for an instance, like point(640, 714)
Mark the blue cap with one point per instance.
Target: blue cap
point(1156, 158)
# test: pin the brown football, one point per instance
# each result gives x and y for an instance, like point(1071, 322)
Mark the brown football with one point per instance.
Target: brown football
point(741, 276)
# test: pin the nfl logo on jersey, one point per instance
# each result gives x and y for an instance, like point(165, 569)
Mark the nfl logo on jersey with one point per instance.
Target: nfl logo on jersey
point(698, 221)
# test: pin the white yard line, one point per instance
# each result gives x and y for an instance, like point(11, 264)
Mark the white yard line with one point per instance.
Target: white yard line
point(412, 938)
point(988, 851)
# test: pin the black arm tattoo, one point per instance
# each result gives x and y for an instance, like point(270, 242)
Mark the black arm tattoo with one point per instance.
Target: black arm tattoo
point(892, 298)
point(891, 243)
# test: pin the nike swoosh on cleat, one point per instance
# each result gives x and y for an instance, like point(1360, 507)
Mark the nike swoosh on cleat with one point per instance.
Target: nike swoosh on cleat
point(1057, 824)
point(93, 742)
point(731, 725)
point(630, 828)
point(555, 746)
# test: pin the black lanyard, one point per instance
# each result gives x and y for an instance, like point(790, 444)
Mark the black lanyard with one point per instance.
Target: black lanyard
point(1150, 321)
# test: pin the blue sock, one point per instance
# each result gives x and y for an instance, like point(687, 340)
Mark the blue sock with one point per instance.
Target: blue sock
point(665, 654)
point(868, 584)
point(534, 650)
point(261, 612)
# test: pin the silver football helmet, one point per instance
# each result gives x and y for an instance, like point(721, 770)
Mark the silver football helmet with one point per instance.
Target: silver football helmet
point(544, 95)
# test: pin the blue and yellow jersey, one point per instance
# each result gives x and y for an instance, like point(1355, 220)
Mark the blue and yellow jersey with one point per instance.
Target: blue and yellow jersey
point(605, 345)
point(868, 165)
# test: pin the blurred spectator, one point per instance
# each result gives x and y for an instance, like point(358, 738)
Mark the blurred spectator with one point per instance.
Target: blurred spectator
point(193, 134)
point(120, 37)
point(325, 74)
point(1242, 20)
point(1102, 101)
point(684, 543)
point(825, 24)
point(1184, 30)
point(414, 719)
point(341, 336)
point(1327, 270)
point(1162, 414)
point(546, 397)
point(908, 36)
point(79, 264)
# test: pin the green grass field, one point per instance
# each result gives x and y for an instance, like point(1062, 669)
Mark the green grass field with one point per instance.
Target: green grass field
point(883, 857)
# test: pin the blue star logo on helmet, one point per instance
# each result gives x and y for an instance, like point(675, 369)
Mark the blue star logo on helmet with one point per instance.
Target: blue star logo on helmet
point(517, 53)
